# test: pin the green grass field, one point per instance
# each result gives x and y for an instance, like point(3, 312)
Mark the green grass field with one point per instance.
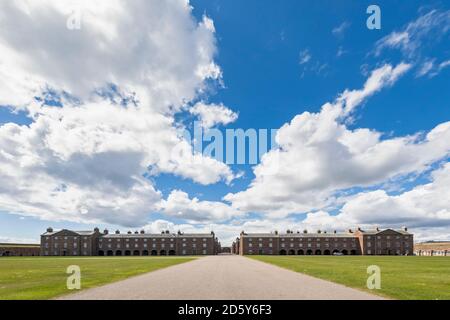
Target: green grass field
point(401, 277)
point(45, 277)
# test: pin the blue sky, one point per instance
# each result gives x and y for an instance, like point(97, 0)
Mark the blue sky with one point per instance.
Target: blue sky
point(279, 60)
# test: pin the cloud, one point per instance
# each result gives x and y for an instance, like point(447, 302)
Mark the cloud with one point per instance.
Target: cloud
point(415, 34)
point(340, 30)
point(418, 42)
point(211, 115)
point(319, 156)
point(424, 208)
point(431, 68)
point(381, 77)
point(92, 157)
point(304, 57)
point(179, 205)
point(163, 63)
point(18, 240)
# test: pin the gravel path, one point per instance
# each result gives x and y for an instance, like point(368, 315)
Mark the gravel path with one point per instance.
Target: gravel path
point(222, 277)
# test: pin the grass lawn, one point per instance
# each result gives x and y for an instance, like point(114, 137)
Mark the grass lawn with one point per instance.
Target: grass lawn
point(45, 277)
point(401, 277)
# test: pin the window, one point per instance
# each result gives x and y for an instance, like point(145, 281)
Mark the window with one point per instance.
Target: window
point(204, 239)
point(184, 244)
point(85, 245)
point(260, 245)
point(75, 245)
point(204, 245)
point(194, 245)
point(184, 239)
point(270, 245)
point(171, 245)
point(56, 238)
point(109, 240)
point(369, 252)
point(369, 244)
point(250, 245)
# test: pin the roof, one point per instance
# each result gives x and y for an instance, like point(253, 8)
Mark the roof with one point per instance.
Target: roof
point(80, 233)
point(299, 235)
point(19, 245)
point(377, 231)
point(158, 235)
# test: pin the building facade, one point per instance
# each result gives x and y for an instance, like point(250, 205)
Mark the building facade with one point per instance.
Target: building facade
point(359, 242)
point(432, 248)
point(19, 250)
point(94, 243)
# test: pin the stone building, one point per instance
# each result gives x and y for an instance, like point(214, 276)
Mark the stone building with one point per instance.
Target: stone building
point(432, 248)
point(19, 249)
point(359, 242)
point(94, 243)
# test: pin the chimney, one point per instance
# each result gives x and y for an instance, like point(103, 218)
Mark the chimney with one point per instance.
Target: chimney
point(325, 231)
point(179, 233)
point(319, 231)
point(378, 229)
point(129, 232)
point(96, 229)
point(334, 231)
point(405, 229)
point(276, 231)
point(359, 229)
point(117, 231)
point(305, 231)
point(49, 229)
point(136, 232)
point(105, 231)
point(350, 231)
point(142, 231)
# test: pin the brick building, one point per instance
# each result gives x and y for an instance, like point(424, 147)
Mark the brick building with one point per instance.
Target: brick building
point(359, 242)
point(19, 249)
point(432, 248)
point(94, 243)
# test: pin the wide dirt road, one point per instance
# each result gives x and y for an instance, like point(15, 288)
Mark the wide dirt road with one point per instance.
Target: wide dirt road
point(222, 277)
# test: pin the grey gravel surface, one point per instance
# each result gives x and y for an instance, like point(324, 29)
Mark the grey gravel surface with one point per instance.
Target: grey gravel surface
point(226, 277)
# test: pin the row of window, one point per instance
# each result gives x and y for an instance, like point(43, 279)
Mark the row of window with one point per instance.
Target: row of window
point(307, 239)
